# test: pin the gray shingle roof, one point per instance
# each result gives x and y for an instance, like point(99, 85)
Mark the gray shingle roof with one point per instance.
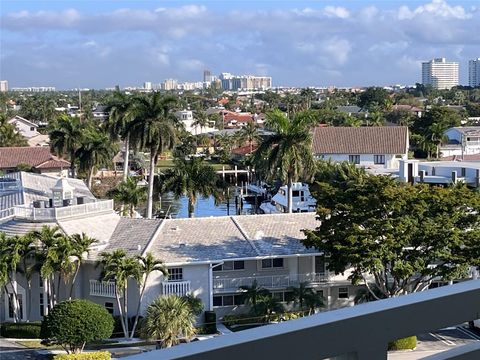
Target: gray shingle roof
point(100, 227)
point(361, 140)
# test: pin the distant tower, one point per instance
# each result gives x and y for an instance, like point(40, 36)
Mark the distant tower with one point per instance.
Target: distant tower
point(3, 85)
point(474, 73)
point(207, 76)
point(440, 74)
point(147, 85)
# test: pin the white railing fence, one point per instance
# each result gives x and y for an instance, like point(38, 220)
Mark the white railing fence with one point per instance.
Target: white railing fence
point(179, 288)
point(102, 288)
point(269, 282)
point(360, 332)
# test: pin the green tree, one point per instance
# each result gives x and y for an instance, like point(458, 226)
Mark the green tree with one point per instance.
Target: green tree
point(66, 134)
point(375, 97)
point(117, 267)
point(305, 297)
point(81, 244)
point(402, 235)
point(267, 306)
point(8, 133)
point(129, 193)
point(10, 257)
point(251, 294)
point(154, 127)
point(168, 319)
point(287, 155)
point(191, 178)
point(250, 134)
point(75, 323)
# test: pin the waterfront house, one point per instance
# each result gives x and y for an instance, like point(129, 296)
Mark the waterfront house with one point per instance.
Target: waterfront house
point(39, 159)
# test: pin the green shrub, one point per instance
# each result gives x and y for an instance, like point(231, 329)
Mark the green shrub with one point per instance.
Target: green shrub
point(210, 322)
point(99, 355)
point(74, 323)
point(29, 330)
point(407, 343)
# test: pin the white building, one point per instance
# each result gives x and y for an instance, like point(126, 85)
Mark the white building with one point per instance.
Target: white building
point(464, 140)
point(440, 74)
point(372, 147)
point(188, 120)
point(3, 85)
point(147, 85)
point(474, 72)
point(169, 84)
point(24, 127)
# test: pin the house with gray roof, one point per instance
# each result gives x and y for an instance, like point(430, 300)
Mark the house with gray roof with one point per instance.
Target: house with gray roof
point(370, 147)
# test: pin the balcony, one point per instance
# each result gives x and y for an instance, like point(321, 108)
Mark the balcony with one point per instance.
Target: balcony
point(179, 288)
point(102, 288)
point(221, 284)
point(52, 214)
point(360, 332)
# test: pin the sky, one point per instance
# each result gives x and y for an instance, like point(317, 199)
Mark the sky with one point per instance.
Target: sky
point(98, 44)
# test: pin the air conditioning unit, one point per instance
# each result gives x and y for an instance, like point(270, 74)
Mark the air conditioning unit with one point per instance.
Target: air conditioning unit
point(38, 204)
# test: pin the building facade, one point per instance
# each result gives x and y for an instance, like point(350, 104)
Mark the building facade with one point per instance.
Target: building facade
point(474, 72)
point(440, 74)
point(3, 85)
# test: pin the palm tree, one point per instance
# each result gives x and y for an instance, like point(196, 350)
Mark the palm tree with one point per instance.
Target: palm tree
point(119, 268)
point(168, 319)
point(81, 248)
point(201, 119)
point(129, 193)
point(154, 126)
point(192, 178)
point(148, 265)
point(10, 256)
point(250, 134)
point(117, 125)
point(353, 121)
point(66, 134)
point(305, 297)
point(366, 295)
point(267, 305)
point(252, 294)
point(288, 153)
point(9, 135)
point(436, 135)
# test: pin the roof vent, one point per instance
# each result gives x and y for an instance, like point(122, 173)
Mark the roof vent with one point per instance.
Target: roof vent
point(139, 247)
point(182, 245)
point(175, 228)
point(259, 235)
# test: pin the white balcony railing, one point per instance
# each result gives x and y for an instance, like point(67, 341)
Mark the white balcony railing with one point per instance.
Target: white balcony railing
point(51, 214)
point(270, 282)
point(102, 288)
point(179, 288)
point(360, 332)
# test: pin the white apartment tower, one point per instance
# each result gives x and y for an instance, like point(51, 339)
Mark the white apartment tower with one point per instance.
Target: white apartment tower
point(3, 85)
point(439, 73)
point(474, 73)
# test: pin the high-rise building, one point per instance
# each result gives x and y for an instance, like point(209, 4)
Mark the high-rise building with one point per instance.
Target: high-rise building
point(3, 85)
point(147, 85)
point(474, 73)
point(207, 76)
point(440, 74)
point(169, 84)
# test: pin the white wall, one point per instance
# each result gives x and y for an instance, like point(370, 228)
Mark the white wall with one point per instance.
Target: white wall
point(25, 129)
point(365, 159)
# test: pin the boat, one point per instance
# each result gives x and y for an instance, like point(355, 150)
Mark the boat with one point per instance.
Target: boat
point(301, 198)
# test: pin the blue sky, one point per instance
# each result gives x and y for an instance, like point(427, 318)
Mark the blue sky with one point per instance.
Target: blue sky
point(99, 44)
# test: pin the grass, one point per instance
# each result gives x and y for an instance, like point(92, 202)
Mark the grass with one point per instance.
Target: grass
point(36, 344)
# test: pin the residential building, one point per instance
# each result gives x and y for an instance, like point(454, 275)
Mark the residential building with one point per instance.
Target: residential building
point(440, 74)
point(462, 140)
point(474, 72)
point(34, 89)
point(38, 158)
point(244, 82)
point(147, 85)
point(376, 146)
point(3, 85)
point(207, 76)
point(188, 120)
point(29, 131)
point(169, 84)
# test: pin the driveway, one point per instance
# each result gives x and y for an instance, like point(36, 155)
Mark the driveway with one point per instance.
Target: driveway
point(13, 351)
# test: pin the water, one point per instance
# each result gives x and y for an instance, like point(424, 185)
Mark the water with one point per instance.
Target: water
point(203, 207)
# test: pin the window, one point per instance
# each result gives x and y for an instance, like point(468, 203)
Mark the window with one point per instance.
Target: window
point(272, 263)
point(40, 281)
point(464, 172)
point(109, 307)
point(343, 292)
point(379, 159)
point(42, 305)
point(32, 128)
point(175, 274)
point(283, 296)
point(230, 265)
point(228, 300)
point(354, 159)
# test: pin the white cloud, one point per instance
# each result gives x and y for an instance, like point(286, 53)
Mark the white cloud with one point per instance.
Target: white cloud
point(437, 8)
point(338, 49)
point(336, 11)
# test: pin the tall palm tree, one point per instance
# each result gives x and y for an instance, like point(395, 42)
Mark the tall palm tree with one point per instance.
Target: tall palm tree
point(251, 294)
point(148, 265)
point(250, 134)
point(117, 124)
point(81, 247)
point(287, 155)
point(95, 150)
point(168, 319)
point(267, 305)
point(154, 127)
point(191, 178)
point(130, 194)
point(436, 135)
point(66, 134)
point(201, 119)
point(305, 297)
point(10, 257)
point(119, 268)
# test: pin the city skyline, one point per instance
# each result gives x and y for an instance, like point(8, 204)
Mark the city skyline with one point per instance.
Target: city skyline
point(69, 44)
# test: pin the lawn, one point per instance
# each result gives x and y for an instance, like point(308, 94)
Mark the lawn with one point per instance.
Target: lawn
point(35, 344)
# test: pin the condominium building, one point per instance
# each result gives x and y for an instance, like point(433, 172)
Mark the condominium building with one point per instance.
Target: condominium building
point(440, 74)
point(474, 72)
point(245, 82)
point(3, 85)
point(169, 84)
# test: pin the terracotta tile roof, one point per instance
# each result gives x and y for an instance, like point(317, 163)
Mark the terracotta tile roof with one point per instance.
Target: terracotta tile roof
point(361, 140)
point(244, 150)
point(38, 157)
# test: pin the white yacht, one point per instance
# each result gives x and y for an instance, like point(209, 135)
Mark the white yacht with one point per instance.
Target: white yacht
point(301, 198)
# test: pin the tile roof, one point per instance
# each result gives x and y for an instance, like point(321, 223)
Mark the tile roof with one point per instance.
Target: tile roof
point(10, 157)
point(360, 140)
point(100, 227)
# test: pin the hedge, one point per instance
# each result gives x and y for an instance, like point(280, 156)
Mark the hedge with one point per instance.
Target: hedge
point(99, 355)
point(29, 330)
point(408, 343)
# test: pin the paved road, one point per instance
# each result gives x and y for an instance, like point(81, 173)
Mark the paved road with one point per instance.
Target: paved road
point(13, 351)
point(436, 342)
